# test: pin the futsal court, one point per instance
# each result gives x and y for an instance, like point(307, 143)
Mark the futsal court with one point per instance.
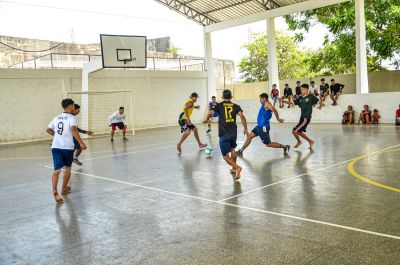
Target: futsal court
point(139, 202)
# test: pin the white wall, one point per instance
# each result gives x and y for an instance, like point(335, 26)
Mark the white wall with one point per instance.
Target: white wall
point(386, 103)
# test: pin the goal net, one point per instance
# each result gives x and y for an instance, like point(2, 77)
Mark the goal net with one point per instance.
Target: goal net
point(97, 107)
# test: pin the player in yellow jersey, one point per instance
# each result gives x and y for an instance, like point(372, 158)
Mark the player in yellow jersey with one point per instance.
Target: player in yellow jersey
point(186, 123)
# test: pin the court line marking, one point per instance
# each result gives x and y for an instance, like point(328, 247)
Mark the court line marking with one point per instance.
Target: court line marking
point(352, 170)
point(303, 174)
point(239, 206)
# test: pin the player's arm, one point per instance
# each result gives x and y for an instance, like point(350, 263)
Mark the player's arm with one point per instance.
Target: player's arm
point(76, 135)
point(315, 100)
point(84, 131)
point(111, 118)
point(296, 101)
point(273, 109)
point(50, 131)
point(186, 111)
point(244, 122)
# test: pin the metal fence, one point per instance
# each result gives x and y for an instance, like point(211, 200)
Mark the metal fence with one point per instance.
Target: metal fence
point(60, 60)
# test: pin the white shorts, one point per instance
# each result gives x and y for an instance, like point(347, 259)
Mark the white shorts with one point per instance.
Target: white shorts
point(214, 119)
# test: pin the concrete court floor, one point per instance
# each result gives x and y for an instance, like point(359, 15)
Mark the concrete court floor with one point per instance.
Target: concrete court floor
point(141, 203)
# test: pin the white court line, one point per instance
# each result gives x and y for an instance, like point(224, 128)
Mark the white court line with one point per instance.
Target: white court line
point(298, 176)
point(241, 207)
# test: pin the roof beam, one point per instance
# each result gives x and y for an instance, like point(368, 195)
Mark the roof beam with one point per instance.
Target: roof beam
point(276, 12)
point(228, 6)
point(187, 11)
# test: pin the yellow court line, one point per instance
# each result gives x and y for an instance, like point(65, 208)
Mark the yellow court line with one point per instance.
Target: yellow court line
point(351, 169)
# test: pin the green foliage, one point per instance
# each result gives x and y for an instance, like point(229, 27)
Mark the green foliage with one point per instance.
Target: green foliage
point(339, 53)
point(174, 50)
point(254, 67)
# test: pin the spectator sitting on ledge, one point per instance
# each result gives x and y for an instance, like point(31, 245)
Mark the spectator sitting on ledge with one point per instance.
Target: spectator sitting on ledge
point(348, 116)
point(298, 90)
point(398, 116)
point(336, 91)
point(275, 95)
point(287, 96)
point(365, 115)
point(376, 117)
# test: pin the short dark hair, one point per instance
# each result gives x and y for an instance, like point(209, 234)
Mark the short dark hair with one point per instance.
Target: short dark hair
point(286, 84)
point(322, 79)
point(312, 82)
point(305, 86)
point(297, 82)
point(121, 108)
point(66, 102)
point(194, 95)
point(273, 85)
point(227, 94)
point(332, 79)
point(213, 97)
point(77, 106)
point(264, 95)
point(375, 110)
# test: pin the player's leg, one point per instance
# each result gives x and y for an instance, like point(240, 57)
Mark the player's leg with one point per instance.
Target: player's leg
point(78, 151)
point(209, 125)
point(185, 135)
point(254, 133)
point(196, 135)
point(58, 165)
point(113, 127)
point(123, 128)
point(297, 129)
point(311, 142)
point(237, 169)
point(266, 139)
point(68, 157)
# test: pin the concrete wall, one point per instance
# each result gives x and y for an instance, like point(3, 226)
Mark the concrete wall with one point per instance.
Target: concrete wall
point(387, 104)
point(385, 81)
point(30, 98)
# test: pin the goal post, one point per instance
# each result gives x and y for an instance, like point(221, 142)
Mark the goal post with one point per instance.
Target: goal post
point(97, 107)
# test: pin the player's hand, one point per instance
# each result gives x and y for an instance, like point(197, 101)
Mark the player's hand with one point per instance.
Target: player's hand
point(189, 122)
point(83, 146)
point(197, 107)
point(281, 120)
point(90, 133)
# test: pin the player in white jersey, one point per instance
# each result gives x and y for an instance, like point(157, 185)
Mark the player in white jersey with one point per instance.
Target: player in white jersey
point(63, 128)
point(117, 119)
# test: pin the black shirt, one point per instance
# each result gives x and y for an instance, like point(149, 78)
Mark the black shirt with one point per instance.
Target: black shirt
point(287, 92)
point(298, 91)
point(227, 118)
point(324, 88)
point(306, 105)
point(336, 87)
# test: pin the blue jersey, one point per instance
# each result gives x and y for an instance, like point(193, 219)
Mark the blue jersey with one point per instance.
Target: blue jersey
point(264, 115)
point(212, 107)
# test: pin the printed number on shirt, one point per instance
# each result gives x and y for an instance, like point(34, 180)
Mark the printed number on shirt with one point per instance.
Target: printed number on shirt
point(228, 113)
point(60, 127)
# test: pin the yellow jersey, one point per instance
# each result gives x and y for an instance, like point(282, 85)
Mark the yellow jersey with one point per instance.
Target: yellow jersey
point(190, 111)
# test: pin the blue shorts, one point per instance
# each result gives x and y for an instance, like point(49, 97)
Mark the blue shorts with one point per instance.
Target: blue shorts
point(77, 146)
point(226, 144)
point(62, 158)
point(264, 136)
point(216, 114)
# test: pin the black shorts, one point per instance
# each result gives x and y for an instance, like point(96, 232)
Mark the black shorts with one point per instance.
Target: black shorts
point(183, 123)
point(264, 135)
point(226, 144)
point(302, 125)
point(120, 126)
point(335, 92)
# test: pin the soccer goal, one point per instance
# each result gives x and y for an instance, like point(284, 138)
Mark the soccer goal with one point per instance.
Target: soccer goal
point(97, 107)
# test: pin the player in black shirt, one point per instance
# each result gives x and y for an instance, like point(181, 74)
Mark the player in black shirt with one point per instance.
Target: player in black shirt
point(336, 91)
point(227, 129)
point(306, 103)
point(323, 93)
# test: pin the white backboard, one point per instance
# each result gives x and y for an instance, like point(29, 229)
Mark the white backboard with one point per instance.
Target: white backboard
point(121, 51)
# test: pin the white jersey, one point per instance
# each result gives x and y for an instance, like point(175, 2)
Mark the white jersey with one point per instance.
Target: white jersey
point(61, 125)
point(116, 117)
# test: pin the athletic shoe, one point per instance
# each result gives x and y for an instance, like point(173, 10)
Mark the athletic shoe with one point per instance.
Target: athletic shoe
point(112, 140)
point(286, 150)
point(209, 130)
point(125, 139)
point(76, 161)
point(239, 152)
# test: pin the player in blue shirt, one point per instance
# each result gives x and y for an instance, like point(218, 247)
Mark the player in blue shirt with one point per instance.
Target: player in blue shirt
point(263, 126)
point(215, 115)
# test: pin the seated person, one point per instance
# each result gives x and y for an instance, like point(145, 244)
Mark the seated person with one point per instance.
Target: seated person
point(323, 93)
point(365, 116)
point(298, 90)
point(348, 116)
point(376, 117)
point(336, 91)
point(287, 96)
point(275, 95)
point(314, 89)
point(398, 116)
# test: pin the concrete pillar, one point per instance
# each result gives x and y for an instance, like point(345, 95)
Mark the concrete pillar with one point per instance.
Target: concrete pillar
point(210, 67)
point(361, 50)
point(273, 72)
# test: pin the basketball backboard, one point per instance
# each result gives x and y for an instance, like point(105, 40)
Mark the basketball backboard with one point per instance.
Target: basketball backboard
point(121, 51)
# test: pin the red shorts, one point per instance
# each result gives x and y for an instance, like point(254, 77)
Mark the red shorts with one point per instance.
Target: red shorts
point(120, 126)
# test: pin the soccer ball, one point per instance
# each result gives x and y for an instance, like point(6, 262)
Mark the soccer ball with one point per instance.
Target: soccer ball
point(208, 150)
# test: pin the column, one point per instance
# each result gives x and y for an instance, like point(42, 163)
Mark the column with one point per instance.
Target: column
point(273, 72)
point(210, 67)
point(361, 50)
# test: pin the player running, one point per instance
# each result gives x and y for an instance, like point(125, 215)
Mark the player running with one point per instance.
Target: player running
point(215, 115)
point(227, 130)
point(117, 119)
point(306, 103)
point(77, 147)
point(186, 124)
point(64, 129)
point(263, 126)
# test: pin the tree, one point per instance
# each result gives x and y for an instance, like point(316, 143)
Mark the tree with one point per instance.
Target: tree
point(174, 50)
point(339, 53)
point(254, 67)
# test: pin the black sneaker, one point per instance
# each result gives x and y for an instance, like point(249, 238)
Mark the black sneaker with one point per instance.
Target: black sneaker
point(125, 139)
point(286, 150)
point(239, 152)
point(76, 161)
point(209, 130)
point(112, 140)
